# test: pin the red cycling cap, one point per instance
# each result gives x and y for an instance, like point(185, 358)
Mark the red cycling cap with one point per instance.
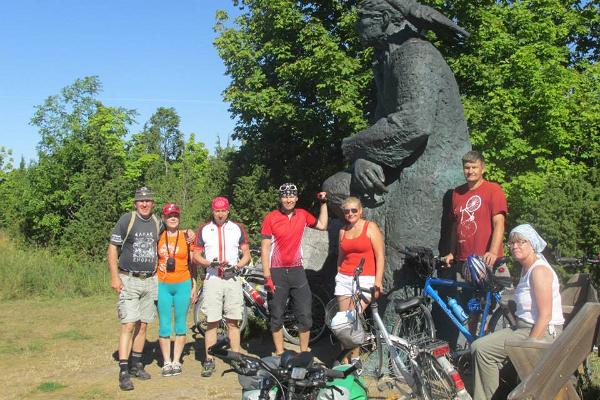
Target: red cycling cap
point(171, 208)
point(220, 203)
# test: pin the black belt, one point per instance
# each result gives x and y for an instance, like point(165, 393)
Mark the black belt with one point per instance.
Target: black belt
point(137, 274)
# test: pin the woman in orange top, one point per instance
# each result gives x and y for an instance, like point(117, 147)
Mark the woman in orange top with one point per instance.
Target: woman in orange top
point(359, 239)
point(176, 288)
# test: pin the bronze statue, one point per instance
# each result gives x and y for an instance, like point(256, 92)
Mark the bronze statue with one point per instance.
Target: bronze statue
point(405, 165)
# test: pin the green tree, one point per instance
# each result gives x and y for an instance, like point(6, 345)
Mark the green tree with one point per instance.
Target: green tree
point(80, 153)
point(299, 84)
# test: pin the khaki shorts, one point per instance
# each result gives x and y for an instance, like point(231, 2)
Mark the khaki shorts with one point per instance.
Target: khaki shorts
point(222, 298)
point(137, 299)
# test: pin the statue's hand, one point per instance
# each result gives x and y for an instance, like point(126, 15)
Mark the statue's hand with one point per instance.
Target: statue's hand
point(370, 176)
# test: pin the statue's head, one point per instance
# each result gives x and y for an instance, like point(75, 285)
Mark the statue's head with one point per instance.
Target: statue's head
point(377, 20)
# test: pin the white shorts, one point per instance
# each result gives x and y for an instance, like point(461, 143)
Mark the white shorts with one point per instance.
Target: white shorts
point(344, 284)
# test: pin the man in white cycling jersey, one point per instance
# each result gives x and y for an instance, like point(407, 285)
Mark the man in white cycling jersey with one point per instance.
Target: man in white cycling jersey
point(218, 244)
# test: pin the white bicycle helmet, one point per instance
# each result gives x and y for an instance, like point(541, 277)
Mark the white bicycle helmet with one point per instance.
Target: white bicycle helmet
point(288, 189)
point(475, 272)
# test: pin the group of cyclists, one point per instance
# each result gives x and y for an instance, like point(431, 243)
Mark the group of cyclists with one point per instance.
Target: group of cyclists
point(140, 242)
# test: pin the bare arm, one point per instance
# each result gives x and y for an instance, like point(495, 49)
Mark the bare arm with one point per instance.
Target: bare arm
point(265, 256)
point(113, 266)
point(323, 218)
point(198, 259)
point(341, 254)
point(376, 237)
point(245, 256)
point(497, 235)
point(541, 283)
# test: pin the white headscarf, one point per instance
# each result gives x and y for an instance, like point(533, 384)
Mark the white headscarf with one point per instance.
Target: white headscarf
point(533, 237)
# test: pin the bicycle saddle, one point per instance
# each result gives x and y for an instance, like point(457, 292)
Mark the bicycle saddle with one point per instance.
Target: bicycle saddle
point(401, 305)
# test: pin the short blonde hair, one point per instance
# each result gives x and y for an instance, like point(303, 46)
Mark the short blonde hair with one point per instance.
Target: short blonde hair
point(352, 199)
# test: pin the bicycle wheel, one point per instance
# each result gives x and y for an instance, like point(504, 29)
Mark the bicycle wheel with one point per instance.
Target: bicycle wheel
point(498, 321)
point(370, 355)
point(200, 318)
point(415, 324)
point(290, 325)
point(435, 382)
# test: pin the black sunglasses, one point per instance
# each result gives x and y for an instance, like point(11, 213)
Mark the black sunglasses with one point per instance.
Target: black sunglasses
point(350, 210)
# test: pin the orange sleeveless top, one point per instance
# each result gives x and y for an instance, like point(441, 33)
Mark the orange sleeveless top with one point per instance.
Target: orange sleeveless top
point(354, 250)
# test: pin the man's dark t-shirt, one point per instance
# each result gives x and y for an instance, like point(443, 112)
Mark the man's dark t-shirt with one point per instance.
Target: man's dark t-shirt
point(139, 252)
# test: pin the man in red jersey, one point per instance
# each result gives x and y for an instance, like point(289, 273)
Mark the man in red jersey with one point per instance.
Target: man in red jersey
point(281, 251)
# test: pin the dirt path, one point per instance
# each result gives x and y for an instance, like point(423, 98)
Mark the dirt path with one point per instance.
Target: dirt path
point(64, 349)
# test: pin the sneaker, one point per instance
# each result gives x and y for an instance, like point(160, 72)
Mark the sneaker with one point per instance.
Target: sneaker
point(176, 368)
point(209, 368)
point(167, 369)
point(125, 381)
point(137, 371)
point(359, 366)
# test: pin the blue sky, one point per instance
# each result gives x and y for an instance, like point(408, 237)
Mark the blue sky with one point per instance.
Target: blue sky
point(147, 53)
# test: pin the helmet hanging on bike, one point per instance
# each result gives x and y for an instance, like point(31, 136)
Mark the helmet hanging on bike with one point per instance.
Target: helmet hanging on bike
point(475, 272)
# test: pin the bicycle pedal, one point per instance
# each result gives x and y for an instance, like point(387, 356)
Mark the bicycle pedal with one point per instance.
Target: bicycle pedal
point(385, 385)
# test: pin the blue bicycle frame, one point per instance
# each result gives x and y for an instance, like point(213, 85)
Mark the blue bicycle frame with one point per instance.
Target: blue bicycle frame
point(429, 291)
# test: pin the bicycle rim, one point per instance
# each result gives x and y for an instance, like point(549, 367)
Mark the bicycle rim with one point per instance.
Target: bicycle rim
point(290, 324)
point(200, 318)
point(435, 382)
point(497, 321)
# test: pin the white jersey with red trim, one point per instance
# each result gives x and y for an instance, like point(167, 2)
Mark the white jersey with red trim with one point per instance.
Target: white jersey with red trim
point(221, 242)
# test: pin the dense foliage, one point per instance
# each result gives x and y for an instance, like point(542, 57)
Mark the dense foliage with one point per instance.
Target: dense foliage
point(300, 82)
point(528, 75)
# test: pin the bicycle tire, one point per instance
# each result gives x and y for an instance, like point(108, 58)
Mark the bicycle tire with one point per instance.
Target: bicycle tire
point(370, 356)
point(415, 324)
point(497, 321)
point(200, 318)
point(389, 370)
point(434, 380)
point(290, 324)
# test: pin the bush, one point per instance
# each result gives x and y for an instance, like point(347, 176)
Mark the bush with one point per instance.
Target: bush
point(48, 273)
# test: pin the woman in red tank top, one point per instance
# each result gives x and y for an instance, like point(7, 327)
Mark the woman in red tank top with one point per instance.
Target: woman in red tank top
point(359, 239)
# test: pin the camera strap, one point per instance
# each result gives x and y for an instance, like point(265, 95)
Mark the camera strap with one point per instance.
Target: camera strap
point(167, 244)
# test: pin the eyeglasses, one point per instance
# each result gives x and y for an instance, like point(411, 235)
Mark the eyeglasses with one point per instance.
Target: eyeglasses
point(519, 242)
point(172, 216)
point(350, 210)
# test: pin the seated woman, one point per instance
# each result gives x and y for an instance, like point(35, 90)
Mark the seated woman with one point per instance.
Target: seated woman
point(176, 288)
point(539, 310)
point(359, 239)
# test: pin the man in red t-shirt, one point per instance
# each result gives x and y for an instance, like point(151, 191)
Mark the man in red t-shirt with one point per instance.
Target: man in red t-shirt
point(281, 251)
point(479, 211)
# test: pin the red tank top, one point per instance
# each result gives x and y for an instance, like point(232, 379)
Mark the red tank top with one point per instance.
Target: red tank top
point(354, 250)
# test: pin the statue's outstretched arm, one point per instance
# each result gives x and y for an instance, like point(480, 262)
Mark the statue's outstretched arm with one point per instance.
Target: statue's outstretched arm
point(425, 17)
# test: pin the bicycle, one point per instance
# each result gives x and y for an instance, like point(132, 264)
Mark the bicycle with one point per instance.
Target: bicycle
point(290, 376)
point(415, 318)
point(255, 303)
point(422, 365)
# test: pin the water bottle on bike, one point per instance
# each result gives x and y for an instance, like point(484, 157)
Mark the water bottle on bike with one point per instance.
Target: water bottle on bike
point(457, 310)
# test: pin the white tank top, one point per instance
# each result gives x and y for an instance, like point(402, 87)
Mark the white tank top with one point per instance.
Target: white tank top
point(527, 309)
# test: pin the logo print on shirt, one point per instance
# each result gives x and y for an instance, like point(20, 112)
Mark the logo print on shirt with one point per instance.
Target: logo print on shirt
point(144, 249)
point(468, 225)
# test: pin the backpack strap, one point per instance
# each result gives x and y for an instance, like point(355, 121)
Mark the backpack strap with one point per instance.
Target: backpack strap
point(157, 223)
point(131, 222)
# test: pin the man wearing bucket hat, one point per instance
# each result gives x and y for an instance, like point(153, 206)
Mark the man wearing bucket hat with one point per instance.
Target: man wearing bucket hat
point(132, 260)
point(218, 245)
point(281, 255)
